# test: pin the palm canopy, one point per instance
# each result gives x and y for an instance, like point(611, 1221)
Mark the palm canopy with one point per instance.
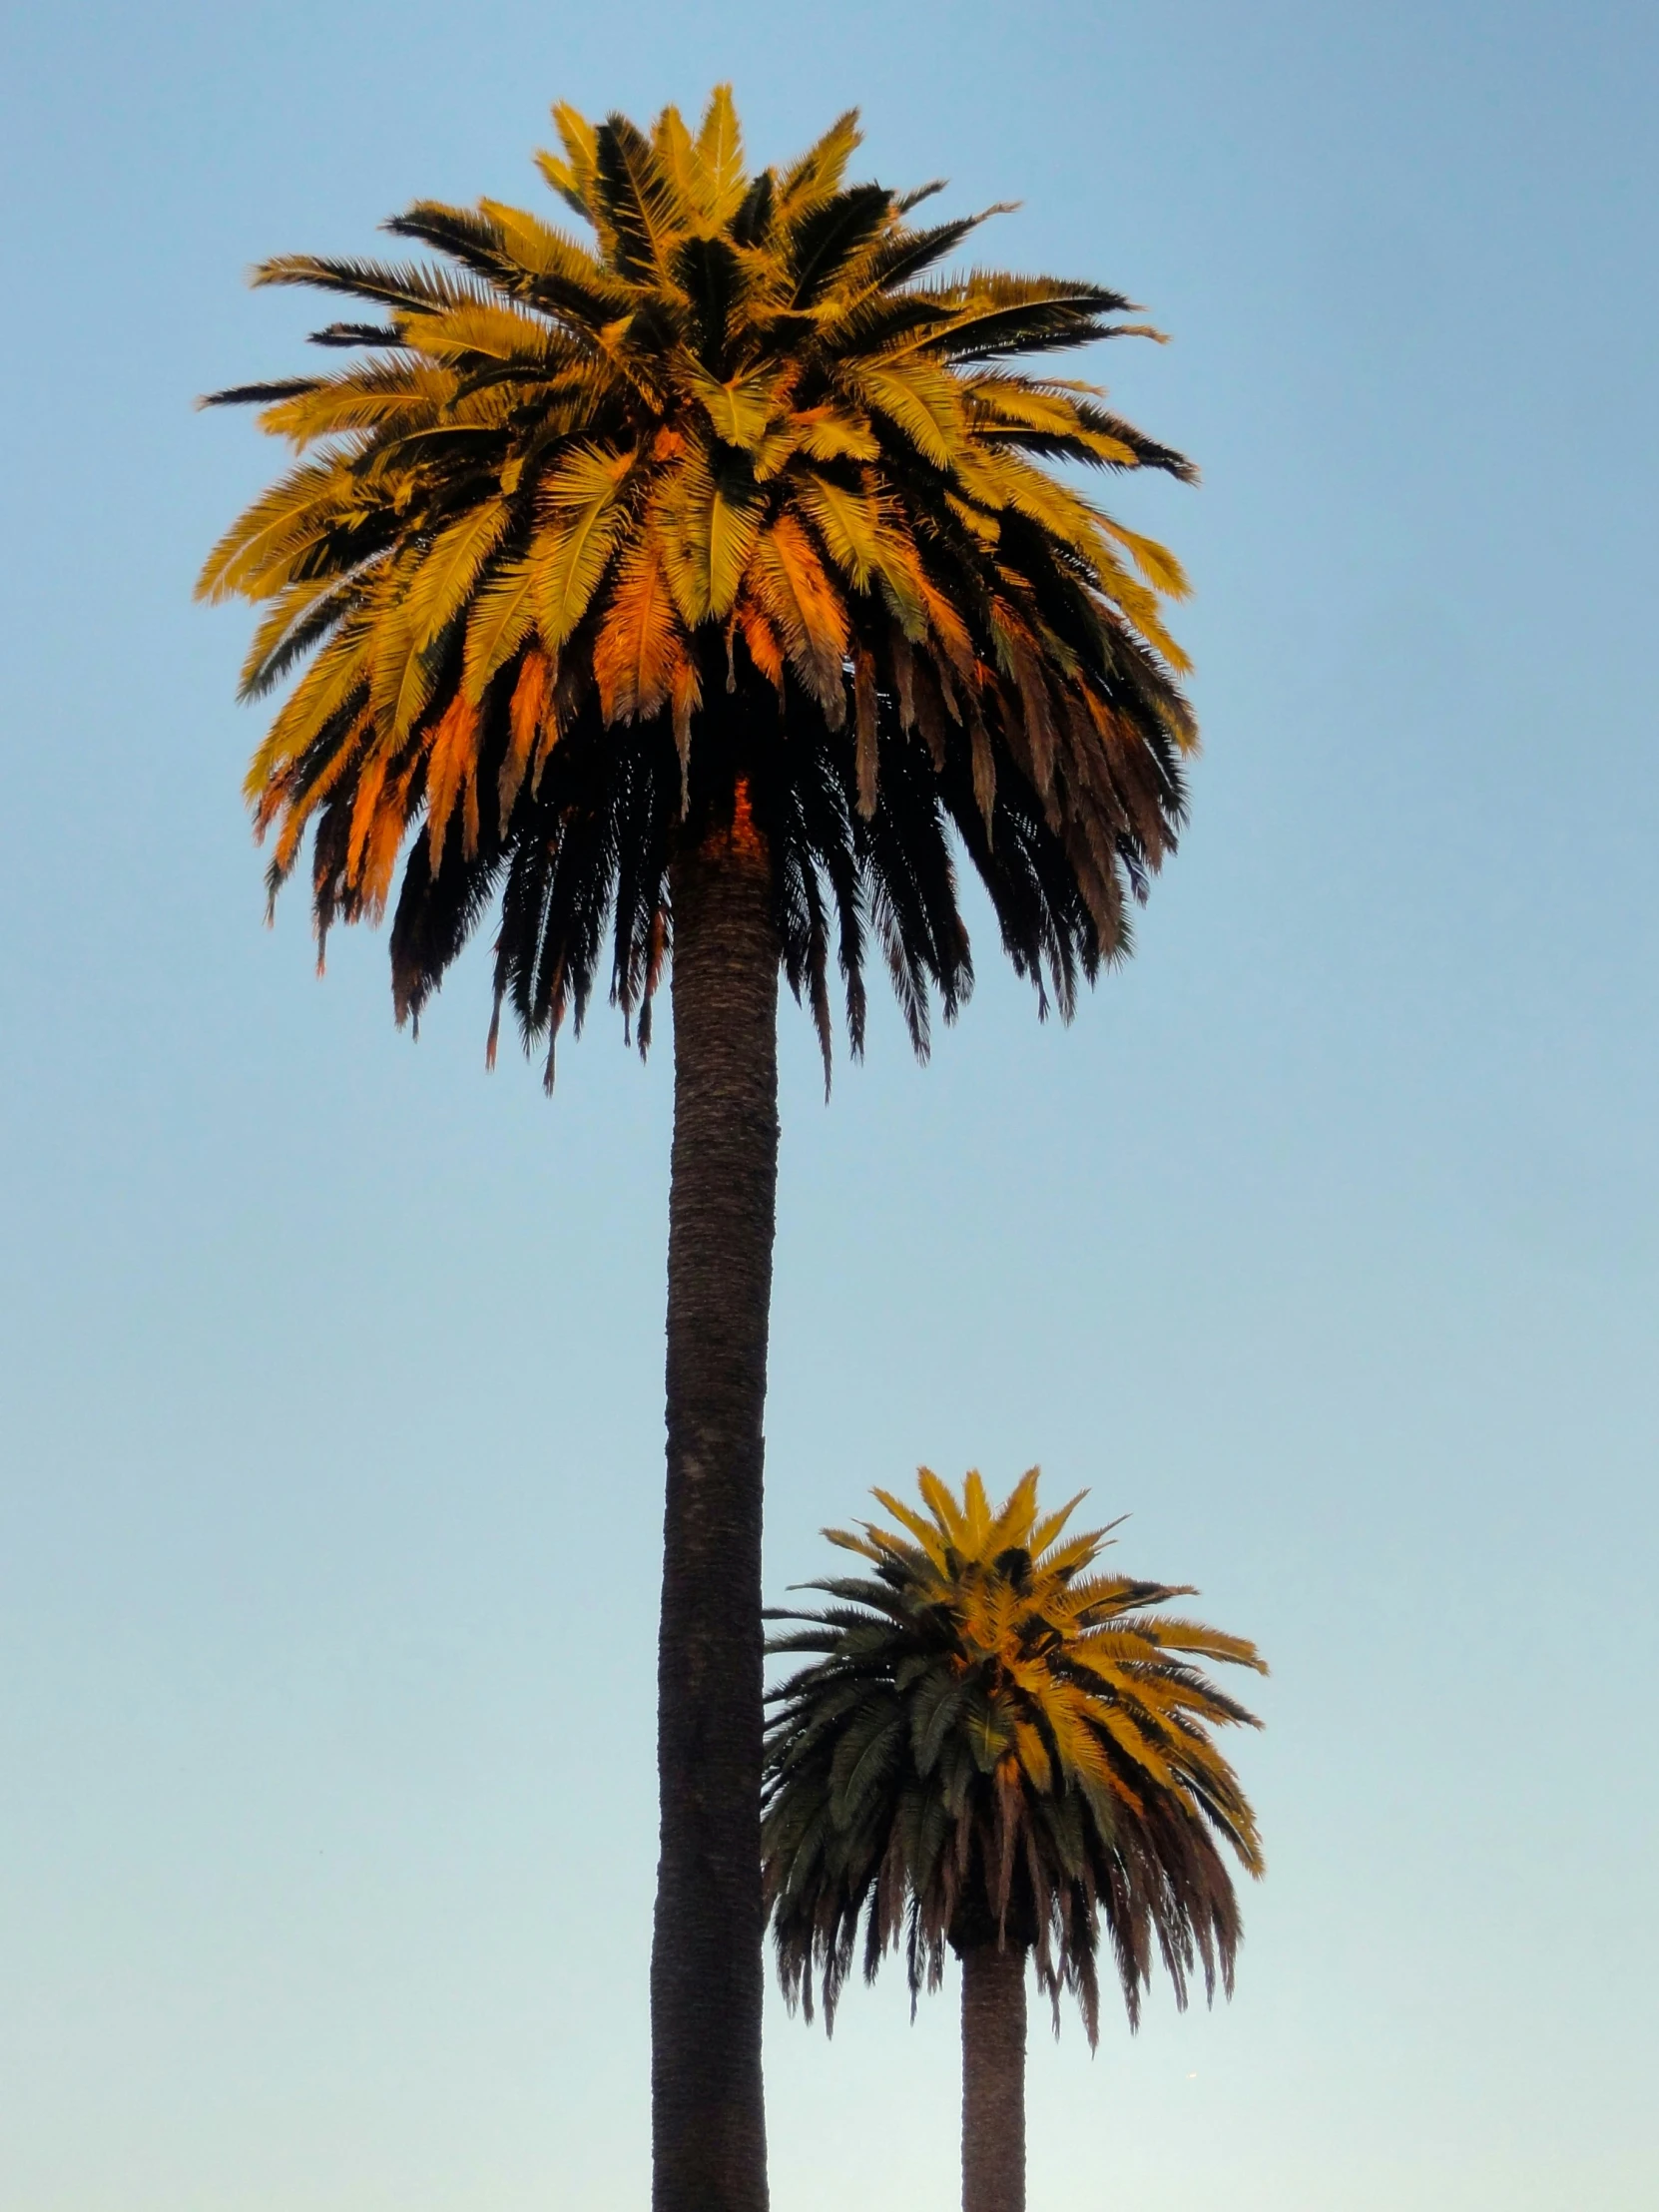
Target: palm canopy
point(739, 498)
point(997, 1742)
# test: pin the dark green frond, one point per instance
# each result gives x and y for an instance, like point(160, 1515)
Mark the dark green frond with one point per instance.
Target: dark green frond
point(409, 284)
point(471, 239)
point(824, 240)
point(356, 333)
point(638, 199)
point(258, 396)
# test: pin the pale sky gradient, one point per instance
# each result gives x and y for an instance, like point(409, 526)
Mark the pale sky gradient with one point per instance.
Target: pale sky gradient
point(1325, 1244)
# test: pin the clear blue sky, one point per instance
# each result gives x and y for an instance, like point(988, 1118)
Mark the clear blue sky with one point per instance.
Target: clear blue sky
point(1326, 1243)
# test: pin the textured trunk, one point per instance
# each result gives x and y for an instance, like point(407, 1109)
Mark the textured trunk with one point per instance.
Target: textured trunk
point(708, 2121)
point(993, 2079)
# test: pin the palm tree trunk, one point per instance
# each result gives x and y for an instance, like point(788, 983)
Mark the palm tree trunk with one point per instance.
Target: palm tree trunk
point(993, 2079)
point(707, 2120)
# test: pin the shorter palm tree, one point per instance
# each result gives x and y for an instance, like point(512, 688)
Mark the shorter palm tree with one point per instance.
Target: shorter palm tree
point(999, 1748)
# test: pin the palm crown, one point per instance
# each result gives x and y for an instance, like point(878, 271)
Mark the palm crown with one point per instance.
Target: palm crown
point(738, 502)
point(998, 1743)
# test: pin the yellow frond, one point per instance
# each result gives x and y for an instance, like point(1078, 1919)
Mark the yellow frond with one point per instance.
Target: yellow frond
point(921, 399)
point(572, 179)
point(1156, 562)
point(1034, 1757)
point(495, 330)
point(386, 397)
point(502, 616)
point(835, 433)
point(899, 567)
point(926, 1533)
point(294, 514)
point(954, 1520)
point(402, 672)
point(445, 578)
point(298, 800)
point(773, 454)
point(570, 560)
point(710, 518)
point(976, 1515)
point(818, 174)
point(587, 476)
point(984, 527)
point(680, 162)
point(720, 148)
point(541, 250)
point(739, 409)
point(807, 610)
point(1015, 1517)
point(848, 522)
point(335, 681)
point(297, 602)
point(638, 646)
point(1047, 1531)
point(583, 500)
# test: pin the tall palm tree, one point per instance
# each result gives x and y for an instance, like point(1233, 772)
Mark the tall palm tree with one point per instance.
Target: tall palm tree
point(999, 1748)
point(693, 590)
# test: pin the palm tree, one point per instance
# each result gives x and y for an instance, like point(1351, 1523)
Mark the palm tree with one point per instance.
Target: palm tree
point(690, 592)
point(998, 1747)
